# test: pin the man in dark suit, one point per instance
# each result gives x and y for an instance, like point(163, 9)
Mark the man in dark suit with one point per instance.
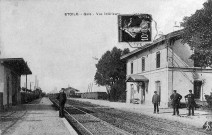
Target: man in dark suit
point(175, 97)
point(156, 101)
point(62, 100)
point(191, 103)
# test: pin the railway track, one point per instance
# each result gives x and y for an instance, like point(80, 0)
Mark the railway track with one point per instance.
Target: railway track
point(87, 124)
point(138, 123)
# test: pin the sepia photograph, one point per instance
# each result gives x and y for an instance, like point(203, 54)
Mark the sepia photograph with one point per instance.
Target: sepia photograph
point(105, 67)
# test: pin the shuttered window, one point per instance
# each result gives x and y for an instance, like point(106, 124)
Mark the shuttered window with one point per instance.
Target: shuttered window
point(158, 60)
point(143, 64)
point(131, 67)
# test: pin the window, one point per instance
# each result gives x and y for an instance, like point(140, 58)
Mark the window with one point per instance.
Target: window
point(143, 64)
point(157, 59)
point(131, 67)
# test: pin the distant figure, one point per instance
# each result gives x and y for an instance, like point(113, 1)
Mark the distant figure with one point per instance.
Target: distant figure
point(156, 101)
point(191, 103)
point(175, 97)
point(62, 100)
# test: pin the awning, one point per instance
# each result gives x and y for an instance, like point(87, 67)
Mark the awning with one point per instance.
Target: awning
point(16, 64)
point(136, 78)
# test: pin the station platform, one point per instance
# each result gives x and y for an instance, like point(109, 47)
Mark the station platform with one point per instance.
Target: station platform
point(198, 120)
point(36, 118)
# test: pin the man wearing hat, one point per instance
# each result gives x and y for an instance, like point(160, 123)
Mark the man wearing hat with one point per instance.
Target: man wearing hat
point(175, 97)
point(191, 103)
point(156, 101)
point(62, 100)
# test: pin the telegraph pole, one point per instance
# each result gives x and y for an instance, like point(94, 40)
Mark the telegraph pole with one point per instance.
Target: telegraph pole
point(26, 81)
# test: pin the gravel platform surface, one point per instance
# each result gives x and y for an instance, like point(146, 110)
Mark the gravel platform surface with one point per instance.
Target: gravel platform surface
point(37, 118)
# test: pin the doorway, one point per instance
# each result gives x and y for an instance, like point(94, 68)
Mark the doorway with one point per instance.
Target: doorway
point(197, 89)
point(132, 91)
point(142, 90)
point(158, 88)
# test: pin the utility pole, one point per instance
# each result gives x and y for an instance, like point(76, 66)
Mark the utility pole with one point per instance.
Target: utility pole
point(91, 87)
point(26, 90)
point(30, 85)
point(36, 83)
point(26, 81)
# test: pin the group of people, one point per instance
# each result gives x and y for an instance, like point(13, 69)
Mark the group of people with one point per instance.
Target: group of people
point(175, 100)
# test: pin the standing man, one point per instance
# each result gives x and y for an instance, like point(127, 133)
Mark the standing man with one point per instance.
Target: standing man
point(191, 103)
point(62, 100)
point(156, 101)
point(175, 97)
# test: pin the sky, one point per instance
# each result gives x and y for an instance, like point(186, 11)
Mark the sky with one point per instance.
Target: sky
point(59, 49)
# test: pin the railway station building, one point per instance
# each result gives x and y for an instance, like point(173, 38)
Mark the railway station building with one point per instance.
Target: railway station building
point(11, 70)
point(70, 91)
point(164, 66)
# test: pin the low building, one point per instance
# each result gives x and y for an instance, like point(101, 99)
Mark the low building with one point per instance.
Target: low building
point(164, 66)
point(71, 92)
point(95, 95)
point(11, 70)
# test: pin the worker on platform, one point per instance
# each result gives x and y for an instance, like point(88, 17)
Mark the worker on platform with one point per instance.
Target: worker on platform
point(62, 100)
point(175, 98)
point(191, 103)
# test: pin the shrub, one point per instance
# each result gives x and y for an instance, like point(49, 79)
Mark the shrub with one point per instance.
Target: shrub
point(209, 100)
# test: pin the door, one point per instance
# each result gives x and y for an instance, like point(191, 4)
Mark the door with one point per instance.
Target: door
point(158, 88)
point(142, 89)
point(197, 88)
point(132, 92)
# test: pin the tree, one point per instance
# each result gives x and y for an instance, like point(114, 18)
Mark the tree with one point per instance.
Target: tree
point(197, 34)
point(111, 70)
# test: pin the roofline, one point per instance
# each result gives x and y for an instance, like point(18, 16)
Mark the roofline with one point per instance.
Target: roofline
point(4, 59)
point(71, 88)
point(162, 38)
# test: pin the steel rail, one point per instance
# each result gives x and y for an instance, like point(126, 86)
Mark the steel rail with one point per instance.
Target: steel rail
point(79, 126)
point(72, 121)
point(152, 118)
point(114, 127)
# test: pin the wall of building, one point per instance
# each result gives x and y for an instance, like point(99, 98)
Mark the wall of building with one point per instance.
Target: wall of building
point(150, 60)
point(15, 80)
point(176, 72)
point(180, 55)
point(1, 86)
point(159, 75)
point(9, 81)
point(95, 95)
point(206, 77)
point(181, 81)
point(7, 86)
point(151, 72)
point(19, 89)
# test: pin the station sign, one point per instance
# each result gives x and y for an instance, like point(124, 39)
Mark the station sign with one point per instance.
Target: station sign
point(135, 28)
